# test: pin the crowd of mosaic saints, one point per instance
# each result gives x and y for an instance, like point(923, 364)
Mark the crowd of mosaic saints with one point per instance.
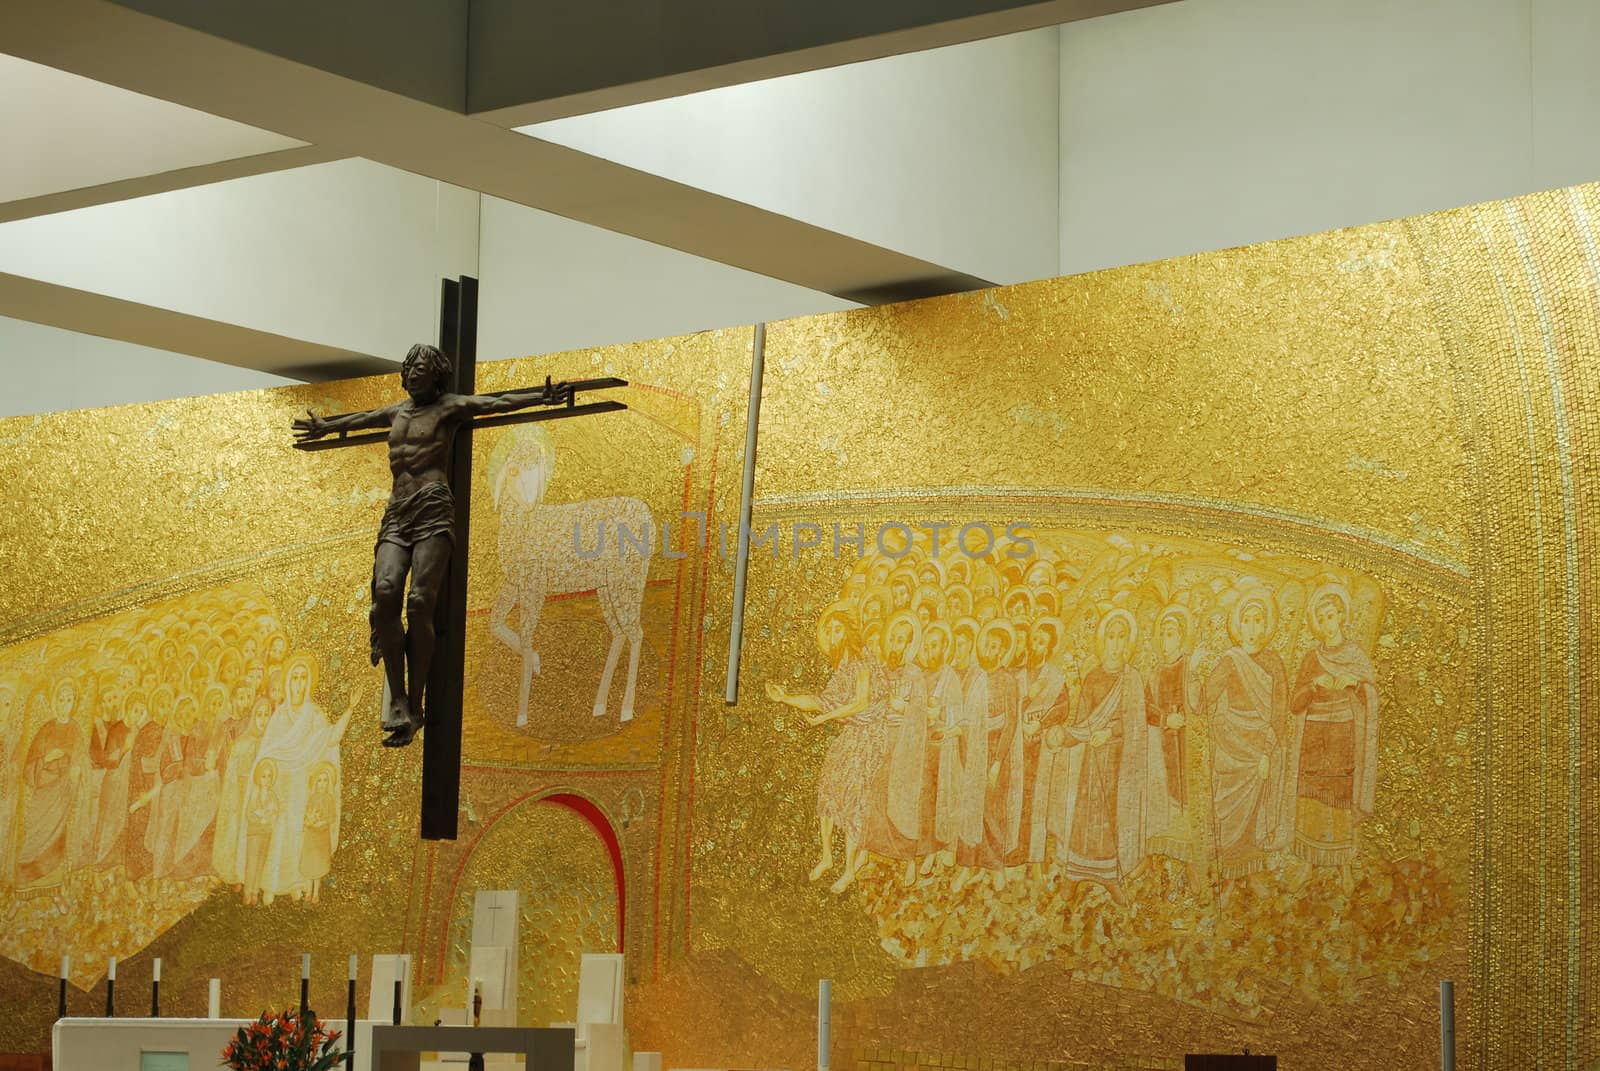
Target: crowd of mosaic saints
point(1024, 715)
point(168, 748)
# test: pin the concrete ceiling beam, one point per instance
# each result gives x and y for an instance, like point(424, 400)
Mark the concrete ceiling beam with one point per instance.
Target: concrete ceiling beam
point(390, 81)
point(166, 329)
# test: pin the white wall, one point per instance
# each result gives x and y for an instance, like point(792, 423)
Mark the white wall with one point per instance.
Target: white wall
point(47, 369)
point(549, 284)
point(948, 155)
point(1565, 50)
point(346, 254)
point(1214, 123)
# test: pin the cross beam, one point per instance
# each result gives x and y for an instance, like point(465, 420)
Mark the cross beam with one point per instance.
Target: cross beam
point(571, 409)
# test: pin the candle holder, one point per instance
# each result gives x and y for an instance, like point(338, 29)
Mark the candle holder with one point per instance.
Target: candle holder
point(475, 1059)
point(61, 998)
point(350, 1026)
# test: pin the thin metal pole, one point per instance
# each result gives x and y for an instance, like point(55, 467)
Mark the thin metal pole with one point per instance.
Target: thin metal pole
point(824, 1024)
point(741, 564)
point(1447, 1026)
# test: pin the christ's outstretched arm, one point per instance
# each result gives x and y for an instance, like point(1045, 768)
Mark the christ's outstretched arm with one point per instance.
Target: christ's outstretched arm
point(311, 426)
point(509, 402)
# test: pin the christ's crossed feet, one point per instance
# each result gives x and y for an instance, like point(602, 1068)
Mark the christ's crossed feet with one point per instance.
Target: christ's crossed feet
point(400, 723)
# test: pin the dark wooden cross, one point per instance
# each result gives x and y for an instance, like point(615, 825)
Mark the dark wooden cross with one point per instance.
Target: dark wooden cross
point(441, 740)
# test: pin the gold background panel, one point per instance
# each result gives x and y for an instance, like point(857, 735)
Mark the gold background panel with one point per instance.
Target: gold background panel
point(1515, 285)
point(1305, 375)
point(106, 500)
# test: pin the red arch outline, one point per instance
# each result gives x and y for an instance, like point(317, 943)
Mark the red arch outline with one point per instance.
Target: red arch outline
point(596, 819)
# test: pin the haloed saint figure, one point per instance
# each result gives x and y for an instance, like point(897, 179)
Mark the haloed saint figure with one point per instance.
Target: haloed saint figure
point(417, 535)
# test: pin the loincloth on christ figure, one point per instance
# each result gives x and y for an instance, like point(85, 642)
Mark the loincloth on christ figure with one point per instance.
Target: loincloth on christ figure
point(428, 511)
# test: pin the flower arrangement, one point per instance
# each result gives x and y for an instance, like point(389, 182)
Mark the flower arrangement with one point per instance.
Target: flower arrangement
point(283, 1041)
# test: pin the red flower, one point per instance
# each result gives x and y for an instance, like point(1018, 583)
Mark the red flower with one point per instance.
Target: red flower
point(283, 1042)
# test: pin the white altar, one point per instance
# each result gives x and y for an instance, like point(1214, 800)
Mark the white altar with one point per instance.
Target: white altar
point(123, 1044)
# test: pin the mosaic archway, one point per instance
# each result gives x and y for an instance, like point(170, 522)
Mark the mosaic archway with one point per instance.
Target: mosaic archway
point(554, 850)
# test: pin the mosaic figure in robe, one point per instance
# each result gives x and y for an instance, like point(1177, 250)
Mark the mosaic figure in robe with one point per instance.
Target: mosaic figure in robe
point(1336, 695)
point(1172, 699)
point(1045, 710)
point(942, 782)
point(1247, 700)
point(110, 751)
point(144, 779)
point(55, 777)
point(857, 695)
point(973, 723)
point(908, 814)
point(299, 740)
point(228, 850)
point(998, 651)
point(1106, 786)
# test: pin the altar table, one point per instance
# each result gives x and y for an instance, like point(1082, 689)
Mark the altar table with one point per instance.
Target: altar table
point(400, 1048)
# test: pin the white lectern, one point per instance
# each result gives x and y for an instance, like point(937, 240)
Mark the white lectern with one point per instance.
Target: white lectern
point(380, 996)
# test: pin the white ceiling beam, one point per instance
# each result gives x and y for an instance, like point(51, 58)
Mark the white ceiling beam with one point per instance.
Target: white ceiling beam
point(392, 85)
point(146, 325)
point(179, 178)
point(112, 43)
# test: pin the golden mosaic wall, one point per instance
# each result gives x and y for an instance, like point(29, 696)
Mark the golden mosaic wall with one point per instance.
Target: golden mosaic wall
point(1515, 287)
point(1266, 710)
point(171, 785)
point(1400, 405)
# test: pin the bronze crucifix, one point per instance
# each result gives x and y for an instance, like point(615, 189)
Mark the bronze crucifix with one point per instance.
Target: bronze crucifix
point(419, 533)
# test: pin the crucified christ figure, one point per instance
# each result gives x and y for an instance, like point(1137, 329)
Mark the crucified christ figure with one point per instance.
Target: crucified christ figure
point(418, 530)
